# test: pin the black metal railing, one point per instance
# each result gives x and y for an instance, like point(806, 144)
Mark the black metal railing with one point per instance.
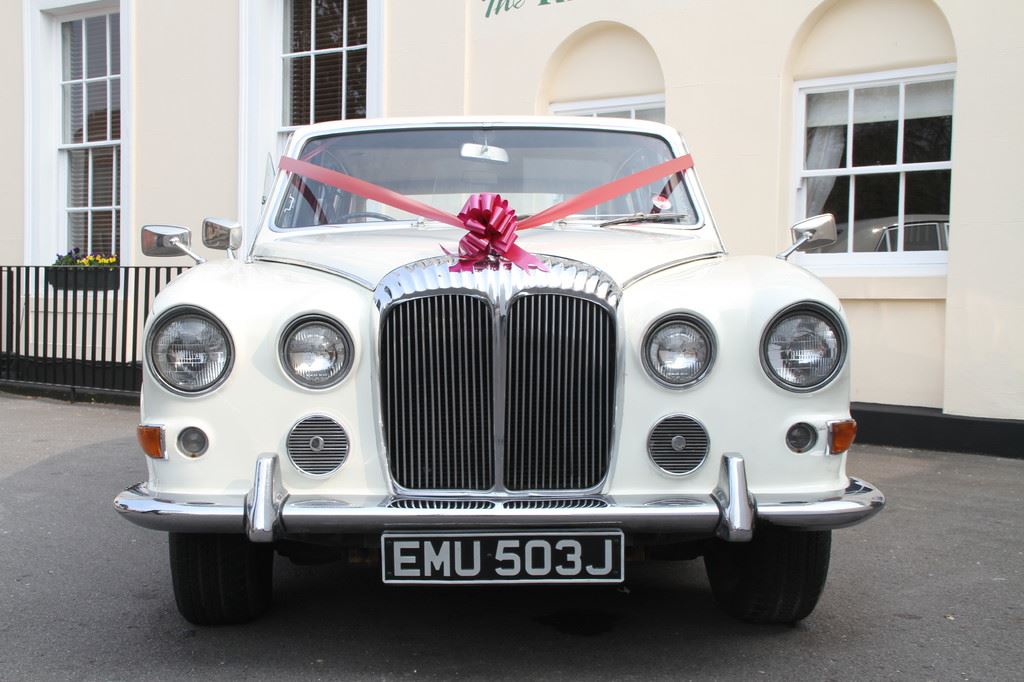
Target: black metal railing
point(78, 328)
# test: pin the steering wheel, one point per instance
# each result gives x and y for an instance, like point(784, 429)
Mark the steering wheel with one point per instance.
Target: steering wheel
point(362, 214)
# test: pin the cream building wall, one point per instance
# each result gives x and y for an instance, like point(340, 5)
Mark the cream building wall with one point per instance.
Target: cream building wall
point(729, 87)
point(12, 142)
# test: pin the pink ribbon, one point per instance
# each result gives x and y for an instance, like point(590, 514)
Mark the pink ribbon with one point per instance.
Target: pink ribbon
point(490, 224)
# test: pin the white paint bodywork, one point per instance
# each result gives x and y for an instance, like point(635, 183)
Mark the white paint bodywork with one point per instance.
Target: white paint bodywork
point(333, 272)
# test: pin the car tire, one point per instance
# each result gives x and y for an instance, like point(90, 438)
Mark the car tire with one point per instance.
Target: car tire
point(775, 578)
point(220, 579)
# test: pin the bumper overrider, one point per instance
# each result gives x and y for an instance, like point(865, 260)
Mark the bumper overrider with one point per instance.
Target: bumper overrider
point(268, 512)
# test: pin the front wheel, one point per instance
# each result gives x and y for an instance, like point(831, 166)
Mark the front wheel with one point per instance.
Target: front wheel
point(220, 579)
point(775, 578)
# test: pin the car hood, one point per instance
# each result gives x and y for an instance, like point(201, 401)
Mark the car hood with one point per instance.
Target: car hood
point(366, 256)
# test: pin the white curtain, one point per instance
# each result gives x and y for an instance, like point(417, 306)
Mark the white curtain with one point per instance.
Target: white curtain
point(825, 145)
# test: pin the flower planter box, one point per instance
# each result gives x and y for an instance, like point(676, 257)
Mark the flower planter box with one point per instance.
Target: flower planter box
point(83, 278)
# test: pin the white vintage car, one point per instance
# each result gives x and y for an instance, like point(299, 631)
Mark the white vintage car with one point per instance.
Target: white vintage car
point(367, 380)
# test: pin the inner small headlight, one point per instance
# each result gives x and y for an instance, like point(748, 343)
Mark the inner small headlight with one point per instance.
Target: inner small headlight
point(189, 350)
point(803, 347)
point(678, 350)
point(316, 352)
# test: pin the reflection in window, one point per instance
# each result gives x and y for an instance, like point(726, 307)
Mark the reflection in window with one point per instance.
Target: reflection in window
point(877, 156)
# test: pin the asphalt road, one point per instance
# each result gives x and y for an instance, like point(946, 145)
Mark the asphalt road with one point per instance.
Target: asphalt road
point(933, 588)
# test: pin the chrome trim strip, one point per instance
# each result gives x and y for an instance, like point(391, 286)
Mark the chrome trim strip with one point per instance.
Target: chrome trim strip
point(668, 266)
point(859, 502)
point(320, 267)
point(268, 512)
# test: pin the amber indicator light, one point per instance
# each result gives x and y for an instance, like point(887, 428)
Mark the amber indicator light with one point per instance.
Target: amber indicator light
point(151, 440)
point(841, 435)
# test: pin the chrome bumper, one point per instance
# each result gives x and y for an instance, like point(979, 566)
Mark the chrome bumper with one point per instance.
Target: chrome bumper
point(267, 512)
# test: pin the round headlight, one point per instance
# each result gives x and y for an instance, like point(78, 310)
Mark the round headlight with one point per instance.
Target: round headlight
point(679, 350)
point(803, 347)
point(190, 351)
point(316, 352)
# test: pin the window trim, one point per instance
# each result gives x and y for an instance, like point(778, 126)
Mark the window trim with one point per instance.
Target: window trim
point(45, 222)
point(592, 107)
point(863, 264)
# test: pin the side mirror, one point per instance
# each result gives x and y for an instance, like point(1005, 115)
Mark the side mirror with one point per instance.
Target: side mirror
point(813, 233)
point(222, 234)
point(168, 240)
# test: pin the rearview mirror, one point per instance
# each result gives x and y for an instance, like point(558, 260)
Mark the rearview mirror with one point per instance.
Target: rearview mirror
point(483, 152)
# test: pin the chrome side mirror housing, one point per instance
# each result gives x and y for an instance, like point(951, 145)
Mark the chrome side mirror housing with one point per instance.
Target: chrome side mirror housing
point(222, 234)
point(813, 233)
point(164, 241)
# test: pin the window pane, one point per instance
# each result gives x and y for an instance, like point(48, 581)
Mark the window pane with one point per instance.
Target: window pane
point(329, 87)
point(875, 113)
point(657, 114)
point(78, 177)
point(71, 41)
point(96, 46)
point(103, 176)
point(330, 24)
point(96, 114)
point(356, 22)
point(115, 43)
point(875, 210)
point(115, 109)
point(73, 113)
point(827, 115)
point(355, 103)
point(102, 232)
point(117, 176)
point(927, 211)
point(928, 129)
point(78, 231)
point(830, 195)
point(615, 114)
point(296, 91)
point(297, 34)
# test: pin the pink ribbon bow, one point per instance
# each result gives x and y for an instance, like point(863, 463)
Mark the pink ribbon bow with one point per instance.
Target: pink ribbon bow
point(490, 231)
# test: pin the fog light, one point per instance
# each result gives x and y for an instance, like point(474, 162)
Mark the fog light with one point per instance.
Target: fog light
point(192, 442)
point(801, 437)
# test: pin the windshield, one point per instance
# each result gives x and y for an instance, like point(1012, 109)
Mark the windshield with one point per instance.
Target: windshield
point(533, 168)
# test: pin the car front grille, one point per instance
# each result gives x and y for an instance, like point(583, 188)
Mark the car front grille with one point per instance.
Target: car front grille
point(497, 380)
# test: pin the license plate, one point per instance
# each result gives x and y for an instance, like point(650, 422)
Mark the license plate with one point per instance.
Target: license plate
point(503, 557)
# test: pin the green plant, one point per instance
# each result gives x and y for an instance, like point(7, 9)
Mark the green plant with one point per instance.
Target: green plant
point(75, 257)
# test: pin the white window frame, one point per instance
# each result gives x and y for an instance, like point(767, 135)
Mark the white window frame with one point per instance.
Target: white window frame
point(873, 264)
point(45, 226)
point(594, 107)
point(261, 128)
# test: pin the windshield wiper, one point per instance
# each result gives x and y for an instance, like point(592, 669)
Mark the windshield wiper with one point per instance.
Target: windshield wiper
point(646, 218)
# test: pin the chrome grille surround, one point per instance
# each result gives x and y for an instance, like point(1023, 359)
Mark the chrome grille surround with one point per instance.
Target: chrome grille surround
point(683, 456)
point(317, 445)
point(501, 287)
